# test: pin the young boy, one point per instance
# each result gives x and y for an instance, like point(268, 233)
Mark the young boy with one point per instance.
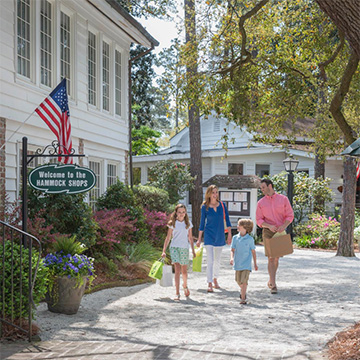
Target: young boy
point(242, 248)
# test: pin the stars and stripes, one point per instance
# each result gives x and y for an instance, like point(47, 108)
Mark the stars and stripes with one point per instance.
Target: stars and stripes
point(54, 110)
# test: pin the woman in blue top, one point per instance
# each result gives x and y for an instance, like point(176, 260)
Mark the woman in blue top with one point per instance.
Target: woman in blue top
point(213, 227)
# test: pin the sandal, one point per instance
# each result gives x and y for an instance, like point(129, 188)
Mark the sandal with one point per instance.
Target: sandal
point(186, 291)
point(177, 297)
point(210, 289)
point(216, 284)
point(273, 290)
point(243, 301)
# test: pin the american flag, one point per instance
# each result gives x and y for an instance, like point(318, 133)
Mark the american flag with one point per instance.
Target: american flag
point(54, 110)
point(358, 171)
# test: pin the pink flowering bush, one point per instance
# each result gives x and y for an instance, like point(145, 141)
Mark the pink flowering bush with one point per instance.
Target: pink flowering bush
point(319, 231)
point(155, 222)
point(115, 227)
point(36, 226)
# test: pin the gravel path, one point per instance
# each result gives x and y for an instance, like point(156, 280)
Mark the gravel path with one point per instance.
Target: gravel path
point(318, 296)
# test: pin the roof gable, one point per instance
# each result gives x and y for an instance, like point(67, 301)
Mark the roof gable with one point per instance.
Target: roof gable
point(212, 130)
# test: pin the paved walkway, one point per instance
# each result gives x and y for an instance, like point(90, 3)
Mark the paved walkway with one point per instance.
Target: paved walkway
point(318, 296)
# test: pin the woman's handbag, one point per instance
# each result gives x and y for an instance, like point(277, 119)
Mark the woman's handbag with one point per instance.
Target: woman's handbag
point(157, 269)
point(197, 260)
point(225, 226)
point(167, 276)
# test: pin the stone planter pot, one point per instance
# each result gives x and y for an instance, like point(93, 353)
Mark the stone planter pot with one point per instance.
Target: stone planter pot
point(65, 296)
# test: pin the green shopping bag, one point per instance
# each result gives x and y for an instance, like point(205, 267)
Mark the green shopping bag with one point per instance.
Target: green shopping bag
point(196, 265)
point(156, 269)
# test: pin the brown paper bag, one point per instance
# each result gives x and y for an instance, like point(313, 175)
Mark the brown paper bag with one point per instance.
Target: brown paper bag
point(279, 246)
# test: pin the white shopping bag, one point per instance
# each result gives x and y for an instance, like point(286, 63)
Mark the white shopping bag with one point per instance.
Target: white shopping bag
point(167, 276)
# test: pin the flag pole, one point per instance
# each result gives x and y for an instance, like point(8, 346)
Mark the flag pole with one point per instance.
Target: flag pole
point(17, 130)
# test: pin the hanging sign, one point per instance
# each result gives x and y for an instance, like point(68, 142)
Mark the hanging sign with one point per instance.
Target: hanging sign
point(56, 179)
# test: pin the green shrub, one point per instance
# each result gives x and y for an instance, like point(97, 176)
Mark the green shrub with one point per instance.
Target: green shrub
point(12, 302)
point(120, 196)
point(306, 190)
point(319, 232)
point(174, 177)
point(68, 214)
point(152, 198)
point(142, 251)
point(109, 264)
point(68, 245)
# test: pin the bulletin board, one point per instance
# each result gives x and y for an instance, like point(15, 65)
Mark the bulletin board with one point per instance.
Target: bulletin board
point(237, 202)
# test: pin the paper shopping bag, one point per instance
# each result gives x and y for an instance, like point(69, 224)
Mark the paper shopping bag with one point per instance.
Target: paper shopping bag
point(279, 246)
point(167, 276)
point(197, 260)
point(156, 269)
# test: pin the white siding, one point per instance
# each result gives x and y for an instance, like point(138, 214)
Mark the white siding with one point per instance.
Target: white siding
point(105, 134)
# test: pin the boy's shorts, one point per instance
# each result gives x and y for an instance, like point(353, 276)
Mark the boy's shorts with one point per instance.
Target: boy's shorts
point(179, 255)
point(242, 276)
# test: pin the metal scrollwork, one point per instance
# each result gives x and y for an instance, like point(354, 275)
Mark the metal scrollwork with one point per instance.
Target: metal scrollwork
point(55, 149)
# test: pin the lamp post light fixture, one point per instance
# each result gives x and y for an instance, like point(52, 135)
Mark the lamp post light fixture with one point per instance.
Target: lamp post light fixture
point(291, 165)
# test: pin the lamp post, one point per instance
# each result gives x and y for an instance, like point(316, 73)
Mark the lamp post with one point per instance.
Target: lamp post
point(291, 165)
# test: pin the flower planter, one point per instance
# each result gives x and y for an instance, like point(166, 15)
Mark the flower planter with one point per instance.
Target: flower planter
point(65, 295)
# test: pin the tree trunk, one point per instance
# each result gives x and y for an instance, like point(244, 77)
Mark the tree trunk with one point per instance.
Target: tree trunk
point(345, 15)
point(346, 240)
point(196, 195)
point(319, 169)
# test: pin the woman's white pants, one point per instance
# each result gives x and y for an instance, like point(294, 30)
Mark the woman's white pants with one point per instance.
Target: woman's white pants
point(213, 255)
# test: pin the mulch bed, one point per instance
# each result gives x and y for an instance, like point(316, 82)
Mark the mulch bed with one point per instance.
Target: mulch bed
point(129, 275)
point(345, 345)
point(12, 333)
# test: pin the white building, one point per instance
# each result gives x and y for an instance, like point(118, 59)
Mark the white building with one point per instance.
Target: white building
point(243, 157)
point(86, 41)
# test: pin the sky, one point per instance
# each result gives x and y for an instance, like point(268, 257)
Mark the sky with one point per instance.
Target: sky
point(162, 31)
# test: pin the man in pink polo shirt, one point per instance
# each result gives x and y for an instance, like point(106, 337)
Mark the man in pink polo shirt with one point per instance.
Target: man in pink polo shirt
point(273, 215)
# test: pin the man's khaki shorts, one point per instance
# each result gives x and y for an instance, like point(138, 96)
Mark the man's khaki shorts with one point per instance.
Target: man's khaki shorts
point(242, 276)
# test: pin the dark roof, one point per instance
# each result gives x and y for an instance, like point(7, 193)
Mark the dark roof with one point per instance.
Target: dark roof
point(132, 21)
point(234, 181)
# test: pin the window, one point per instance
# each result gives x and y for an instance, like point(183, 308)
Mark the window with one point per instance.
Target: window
point(65, 49)
point(117, 82)
point(217, 125)
point(235, 169)
point(111, 174)
point(106, 76)
point(95, 191)
point(92, 68)
point(262, 169)
point(45, 43)
point(137, 175)
point(23, 37)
